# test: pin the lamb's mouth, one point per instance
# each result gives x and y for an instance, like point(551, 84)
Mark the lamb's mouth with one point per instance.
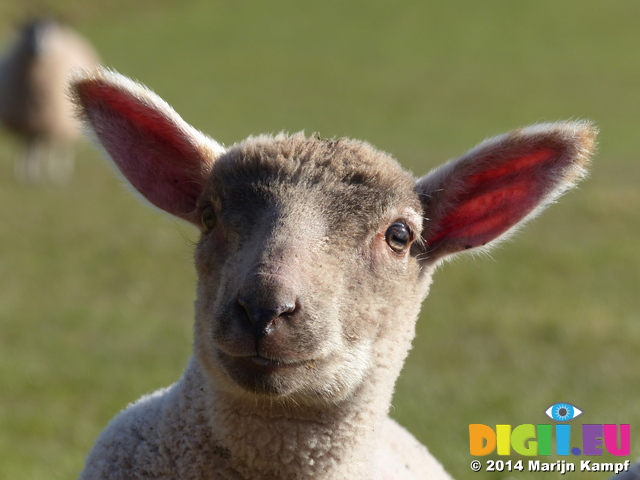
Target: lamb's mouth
point(264, 361)
point(264, 375)
point(260, 364)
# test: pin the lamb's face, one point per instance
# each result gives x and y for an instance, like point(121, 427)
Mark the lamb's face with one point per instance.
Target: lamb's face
point(308, 268)
point(305, 267)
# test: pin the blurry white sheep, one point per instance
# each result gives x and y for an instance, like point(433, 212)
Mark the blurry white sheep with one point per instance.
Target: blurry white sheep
point(33, 100)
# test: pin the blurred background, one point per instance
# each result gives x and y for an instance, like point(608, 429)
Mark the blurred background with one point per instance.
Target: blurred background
point(96, 290)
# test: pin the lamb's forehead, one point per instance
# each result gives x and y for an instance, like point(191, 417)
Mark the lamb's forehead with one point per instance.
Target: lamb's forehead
point(332, 165)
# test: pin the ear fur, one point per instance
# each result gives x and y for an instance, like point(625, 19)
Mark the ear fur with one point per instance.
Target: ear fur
point(162, 156)
point(501, 184)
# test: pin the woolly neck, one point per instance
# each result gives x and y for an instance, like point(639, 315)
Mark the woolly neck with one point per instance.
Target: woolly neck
point(260, 439)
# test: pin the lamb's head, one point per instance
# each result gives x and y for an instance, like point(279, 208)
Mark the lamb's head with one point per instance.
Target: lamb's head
point(315, 255)
point(305, 265)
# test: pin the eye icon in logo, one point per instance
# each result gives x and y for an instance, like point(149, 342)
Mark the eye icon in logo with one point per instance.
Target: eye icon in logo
point(563, 412)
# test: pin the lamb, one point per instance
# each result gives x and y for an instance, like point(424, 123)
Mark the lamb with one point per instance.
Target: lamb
point(313, 260)
point(33, 101)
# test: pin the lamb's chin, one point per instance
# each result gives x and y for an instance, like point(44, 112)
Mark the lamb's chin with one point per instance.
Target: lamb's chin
point(262, 376)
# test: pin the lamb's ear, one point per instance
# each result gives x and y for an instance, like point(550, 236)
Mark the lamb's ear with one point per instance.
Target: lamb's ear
point(162, 156)
point(503, 182)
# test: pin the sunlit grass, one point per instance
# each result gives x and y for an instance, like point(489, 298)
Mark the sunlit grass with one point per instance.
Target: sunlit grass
point(96, 290)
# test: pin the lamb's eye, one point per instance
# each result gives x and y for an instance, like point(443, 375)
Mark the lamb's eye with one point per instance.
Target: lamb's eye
point(398, 237)
point(208, 218)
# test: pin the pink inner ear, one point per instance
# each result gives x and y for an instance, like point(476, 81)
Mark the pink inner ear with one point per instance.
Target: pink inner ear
point(494, 200)
point(515, 165)
point(148, 147)
point(144, 118)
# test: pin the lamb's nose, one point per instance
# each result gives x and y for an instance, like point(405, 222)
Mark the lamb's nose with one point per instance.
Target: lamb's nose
point(265, 311)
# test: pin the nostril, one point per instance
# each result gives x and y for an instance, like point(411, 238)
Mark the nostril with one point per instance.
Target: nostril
point(244, 304)
point(265, 313)
point(252, 313)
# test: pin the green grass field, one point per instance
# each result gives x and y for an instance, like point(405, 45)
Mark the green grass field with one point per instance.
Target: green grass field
point(96, 290)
